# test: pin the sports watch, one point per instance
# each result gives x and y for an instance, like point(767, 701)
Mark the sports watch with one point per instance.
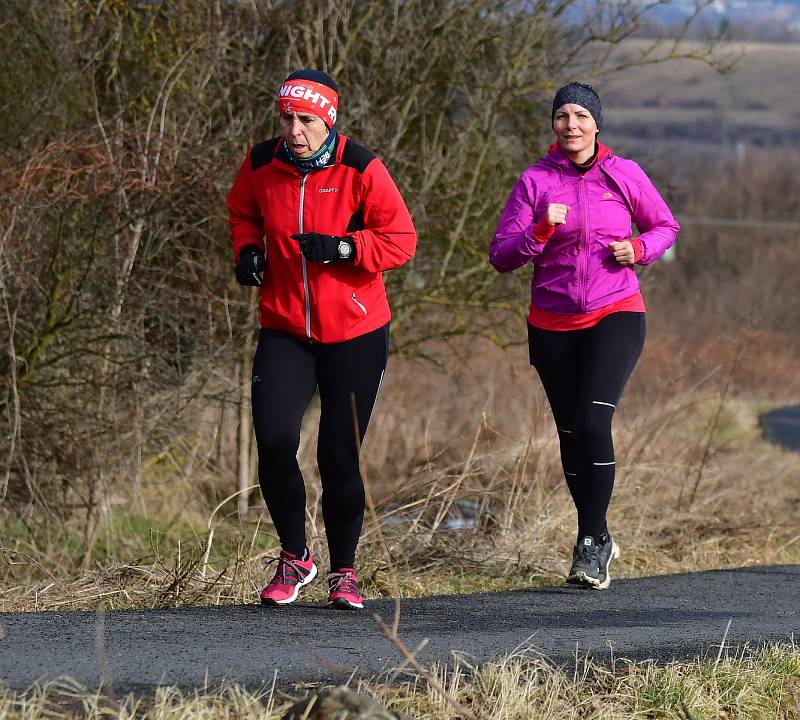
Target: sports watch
point(345, 249)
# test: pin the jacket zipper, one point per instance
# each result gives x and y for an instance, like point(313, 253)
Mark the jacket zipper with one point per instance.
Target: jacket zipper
point(303, 258)
point(585, 243)
point(355, 300)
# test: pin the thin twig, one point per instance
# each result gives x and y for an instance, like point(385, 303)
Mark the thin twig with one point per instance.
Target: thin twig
point(392, 636)
point(722, 644)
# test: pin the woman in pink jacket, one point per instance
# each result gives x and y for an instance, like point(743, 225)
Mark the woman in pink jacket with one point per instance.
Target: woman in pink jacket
point(571, 216)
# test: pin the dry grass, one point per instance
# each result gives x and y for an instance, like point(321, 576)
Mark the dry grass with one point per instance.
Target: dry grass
point(66, 699)
point(697, 488)
point(751, 684)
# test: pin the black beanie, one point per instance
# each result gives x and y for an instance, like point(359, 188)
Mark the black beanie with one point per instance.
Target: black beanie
point(315, 76)
point(579, 94)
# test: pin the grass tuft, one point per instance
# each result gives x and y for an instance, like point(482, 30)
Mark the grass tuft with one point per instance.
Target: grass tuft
point(749, 685)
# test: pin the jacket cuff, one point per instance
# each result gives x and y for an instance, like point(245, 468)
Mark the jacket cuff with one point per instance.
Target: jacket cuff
point(542, 231)
point(638, 248)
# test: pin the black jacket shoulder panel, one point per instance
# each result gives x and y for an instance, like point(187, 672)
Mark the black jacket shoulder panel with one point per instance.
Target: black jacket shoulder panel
point(356, 156)
point(356, 221)
point(263, 153)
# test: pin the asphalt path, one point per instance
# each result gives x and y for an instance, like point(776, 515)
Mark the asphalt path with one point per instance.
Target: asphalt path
point(668, 617)
point(782, 426)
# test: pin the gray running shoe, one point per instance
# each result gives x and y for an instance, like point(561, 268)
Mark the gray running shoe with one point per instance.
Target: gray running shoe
point(585, 568)
point(591, 562)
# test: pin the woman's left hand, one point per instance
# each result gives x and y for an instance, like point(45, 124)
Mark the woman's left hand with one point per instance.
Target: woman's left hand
point(623, 252)
point(325, 248)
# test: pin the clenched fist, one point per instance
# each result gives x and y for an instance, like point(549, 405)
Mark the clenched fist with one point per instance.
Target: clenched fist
point(557, 213)
point(623, 252)
point(325, 248)
point(250, 269)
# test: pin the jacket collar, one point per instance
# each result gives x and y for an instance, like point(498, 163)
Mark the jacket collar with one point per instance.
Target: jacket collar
point(558, 157)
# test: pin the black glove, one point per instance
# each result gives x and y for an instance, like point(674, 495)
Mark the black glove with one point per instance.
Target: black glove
point(251, 264)
point(326, 248)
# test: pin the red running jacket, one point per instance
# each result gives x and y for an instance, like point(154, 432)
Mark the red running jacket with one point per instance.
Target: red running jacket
point(272, 200)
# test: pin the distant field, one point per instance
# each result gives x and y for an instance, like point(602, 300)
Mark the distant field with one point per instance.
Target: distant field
point(687, 101)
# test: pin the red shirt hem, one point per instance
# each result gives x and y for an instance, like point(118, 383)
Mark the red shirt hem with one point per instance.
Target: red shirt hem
point(549, 320)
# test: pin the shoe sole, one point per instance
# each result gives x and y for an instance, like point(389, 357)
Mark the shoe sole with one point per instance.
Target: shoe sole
point(581, 578)
point(269, 602)
point(342, 604)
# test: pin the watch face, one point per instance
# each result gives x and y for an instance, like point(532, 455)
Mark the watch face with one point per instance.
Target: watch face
point(344, 249)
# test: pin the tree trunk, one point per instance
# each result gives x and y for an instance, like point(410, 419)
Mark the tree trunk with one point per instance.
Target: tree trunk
point(245, 425)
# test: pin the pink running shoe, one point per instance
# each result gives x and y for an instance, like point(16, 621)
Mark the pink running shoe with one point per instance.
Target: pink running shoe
point(292, 573)
point(344, 592)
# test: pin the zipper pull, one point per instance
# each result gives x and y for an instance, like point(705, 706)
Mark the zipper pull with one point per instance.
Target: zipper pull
point(360, 305)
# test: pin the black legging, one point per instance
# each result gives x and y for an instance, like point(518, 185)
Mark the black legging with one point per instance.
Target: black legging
point(584, 373)
point(286, 371)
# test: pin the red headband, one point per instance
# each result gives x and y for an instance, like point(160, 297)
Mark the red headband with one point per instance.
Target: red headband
point(311, 97)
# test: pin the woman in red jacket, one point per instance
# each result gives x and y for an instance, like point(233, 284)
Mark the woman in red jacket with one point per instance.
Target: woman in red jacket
point(315, 219)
